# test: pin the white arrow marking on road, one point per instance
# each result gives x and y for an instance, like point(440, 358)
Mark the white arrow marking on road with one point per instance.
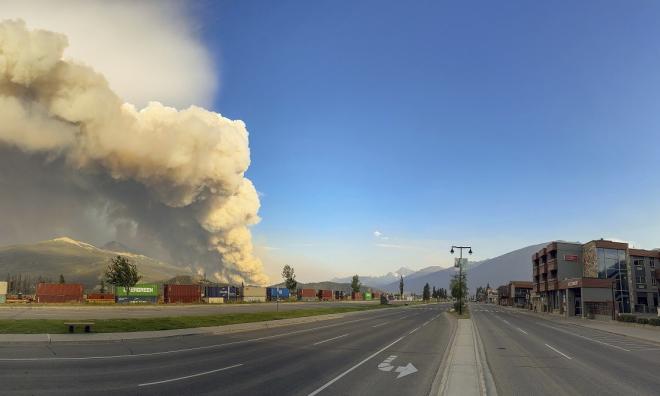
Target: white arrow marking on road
point(405, 370)
point(386, 366)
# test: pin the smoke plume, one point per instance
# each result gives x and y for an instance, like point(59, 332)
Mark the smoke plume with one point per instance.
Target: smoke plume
point(169, 177)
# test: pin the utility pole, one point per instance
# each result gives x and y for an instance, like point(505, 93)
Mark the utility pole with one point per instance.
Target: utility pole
point(460, 275)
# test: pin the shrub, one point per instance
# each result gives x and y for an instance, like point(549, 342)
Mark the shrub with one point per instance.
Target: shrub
point(642, 321)
point(627, 318)
point(654, 321)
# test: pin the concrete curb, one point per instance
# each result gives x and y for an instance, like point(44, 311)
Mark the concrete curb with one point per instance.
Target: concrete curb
point(214, 330)
point(441, 376)
point(488, 381)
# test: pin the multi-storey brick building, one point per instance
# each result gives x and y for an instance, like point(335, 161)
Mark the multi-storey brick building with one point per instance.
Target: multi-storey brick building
point(595, 278)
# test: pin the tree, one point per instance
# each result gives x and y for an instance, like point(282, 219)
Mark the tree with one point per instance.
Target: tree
point(459, 290)
point(62, 279)
point(434, 293)
point(122, 273)
point(355, 284)
point(102, 286)
point(401, 287)
point(426, 292)
point(289, 278)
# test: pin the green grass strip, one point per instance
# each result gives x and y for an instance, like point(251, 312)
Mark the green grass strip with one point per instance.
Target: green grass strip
point(56, 326)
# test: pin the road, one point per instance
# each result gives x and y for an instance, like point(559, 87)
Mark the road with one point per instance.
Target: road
point(531, 355)
point(389, 351)
point(30, 311)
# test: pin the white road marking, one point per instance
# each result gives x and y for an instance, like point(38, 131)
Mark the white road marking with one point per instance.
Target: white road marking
point(190, 376)
point(380, 324)
point(559, 352)
point(586, 338)
point(337, 378)
point(521, 330)
point(330, 339)
point(413, 330)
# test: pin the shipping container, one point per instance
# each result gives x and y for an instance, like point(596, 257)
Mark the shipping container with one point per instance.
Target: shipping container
point(376, 295)
point(307, 295)
point(325, 295)
point(141, 290)
point(3, 298)
point(186, 294)
point(339, 295)
point(254, 291)
point(368, 296)
point(101, 298)
point(214, 291)
point(59, 292)
point(356, 296)
point(274, 293)
point(3, 288)
point(131, 299)
point(214, 300)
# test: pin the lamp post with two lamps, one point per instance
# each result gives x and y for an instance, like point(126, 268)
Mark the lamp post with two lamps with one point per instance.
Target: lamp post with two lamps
point(460, 275)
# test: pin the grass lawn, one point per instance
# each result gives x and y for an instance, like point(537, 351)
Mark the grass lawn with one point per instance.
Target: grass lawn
point(55, 326)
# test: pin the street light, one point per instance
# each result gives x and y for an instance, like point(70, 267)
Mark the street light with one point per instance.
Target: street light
point(460, 275)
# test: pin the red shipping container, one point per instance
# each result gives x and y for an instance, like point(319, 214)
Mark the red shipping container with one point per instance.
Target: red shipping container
point(186, 294)
point(101, 296)
point(356, 296)
point(376, 295)
point(325, 295)
point(306, 293)
point(59, 292)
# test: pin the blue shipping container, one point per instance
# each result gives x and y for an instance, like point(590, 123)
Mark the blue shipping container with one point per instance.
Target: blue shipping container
point(277, 292)
point(213, 291)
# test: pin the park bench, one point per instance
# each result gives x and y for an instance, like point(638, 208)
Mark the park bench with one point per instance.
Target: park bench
point(86, 325)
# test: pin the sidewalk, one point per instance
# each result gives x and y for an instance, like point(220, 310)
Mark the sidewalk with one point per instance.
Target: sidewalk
point(646, 333)
point(465, 373)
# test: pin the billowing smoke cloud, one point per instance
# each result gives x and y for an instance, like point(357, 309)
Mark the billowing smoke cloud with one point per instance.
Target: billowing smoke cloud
point(175, 177)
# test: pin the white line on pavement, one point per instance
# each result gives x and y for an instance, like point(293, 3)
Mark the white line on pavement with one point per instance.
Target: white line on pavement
point(330, 339)
point(559, 352)
point(190, 376)
point(586, 338)
point(332, 381)
point(521, 330)
point(380, 324)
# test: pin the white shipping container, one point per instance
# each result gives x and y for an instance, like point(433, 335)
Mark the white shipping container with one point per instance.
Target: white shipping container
point(214, 300)
point(254, 299)
point(3, 287)
point(254, 291)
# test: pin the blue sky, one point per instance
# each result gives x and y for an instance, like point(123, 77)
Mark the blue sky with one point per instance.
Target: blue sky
point(499, 124)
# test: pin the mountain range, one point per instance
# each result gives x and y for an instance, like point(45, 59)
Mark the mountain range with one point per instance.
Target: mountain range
point(377, 281)
point(79, 262)
point(515, 265)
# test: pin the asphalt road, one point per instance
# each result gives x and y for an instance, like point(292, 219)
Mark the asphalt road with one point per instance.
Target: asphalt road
point(119, 311)
point(529, 355)
point(394, 351)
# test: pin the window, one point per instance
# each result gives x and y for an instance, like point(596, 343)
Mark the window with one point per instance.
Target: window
point(653, 282)
point(652, 263)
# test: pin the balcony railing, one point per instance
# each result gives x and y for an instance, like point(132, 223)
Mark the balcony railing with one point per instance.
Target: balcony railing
point(552, 264)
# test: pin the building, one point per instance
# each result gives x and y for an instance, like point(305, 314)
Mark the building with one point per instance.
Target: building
point(520, 293)
point(596, 278)
point(503, 295)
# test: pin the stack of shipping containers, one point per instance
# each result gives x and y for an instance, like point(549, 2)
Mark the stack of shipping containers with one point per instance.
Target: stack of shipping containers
point(59, 293)
point(368, 296)
point(214, 294)
point(275, 293)
point(146, 293)
point(254, 294)
point(339, 295)
point(185, 294)
point(356, 296)
point(307, 295)
point(101, 298)
point(325, 295)
point(3, 292)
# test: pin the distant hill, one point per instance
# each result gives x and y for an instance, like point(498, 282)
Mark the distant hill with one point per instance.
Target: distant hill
point(345, 287)
point(515, 265)
point(378, 281)
point(79, 262)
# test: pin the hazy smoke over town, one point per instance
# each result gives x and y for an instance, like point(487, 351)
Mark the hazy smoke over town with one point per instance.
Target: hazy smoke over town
point(73, 154)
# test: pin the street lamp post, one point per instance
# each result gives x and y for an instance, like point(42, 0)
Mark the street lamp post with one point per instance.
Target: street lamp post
point(460, 274)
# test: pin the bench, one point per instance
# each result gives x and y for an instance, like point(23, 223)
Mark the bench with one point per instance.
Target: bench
point(87, 326)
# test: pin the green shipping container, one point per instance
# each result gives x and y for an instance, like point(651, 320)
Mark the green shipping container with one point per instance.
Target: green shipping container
point(145, 289)
point(368, 296)
point(3, 298)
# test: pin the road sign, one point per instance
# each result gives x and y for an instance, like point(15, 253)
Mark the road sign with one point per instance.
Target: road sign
point(387, 366)
point(460, 262)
